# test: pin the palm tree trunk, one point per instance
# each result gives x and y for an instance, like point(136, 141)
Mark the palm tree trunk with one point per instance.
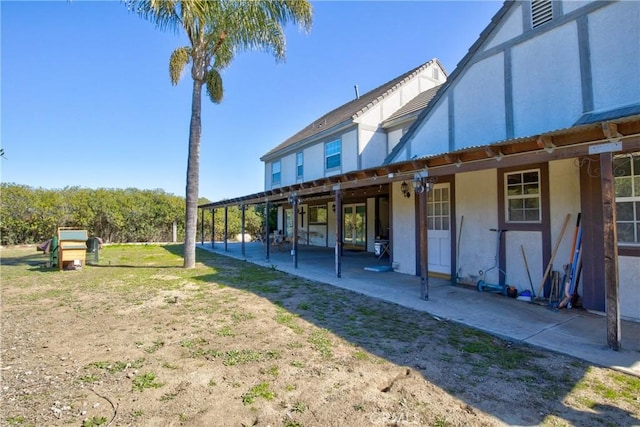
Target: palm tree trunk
point(193, 176)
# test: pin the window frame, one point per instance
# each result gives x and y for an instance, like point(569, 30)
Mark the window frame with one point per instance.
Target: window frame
point(523, 196)
point(300, 165)
point(276, 176)
point(633, 198)
point(335, 143)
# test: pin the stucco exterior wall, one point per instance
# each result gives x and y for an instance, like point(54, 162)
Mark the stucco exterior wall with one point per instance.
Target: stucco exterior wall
point(629, 280)
point(434, 137)
point(564, 198)
point(570, 6)
point(349, 151)
point(373, 148)
point(404, 234)
point(609, 57)
point(477, 201)
point(393, 137)
point(547, 93)
point(314, 162)
point(512, 26)
point(479, 104)
point(288, 170)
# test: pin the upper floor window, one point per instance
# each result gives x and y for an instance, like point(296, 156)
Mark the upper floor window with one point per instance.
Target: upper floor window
point(299, 165)
point(275, 172)
point(627, 182)
point(541, 12)
point(523, 196)
point(332, 154)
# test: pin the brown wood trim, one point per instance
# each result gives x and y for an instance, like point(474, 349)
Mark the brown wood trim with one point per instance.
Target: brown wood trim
point(544, 226)
point(629, 251)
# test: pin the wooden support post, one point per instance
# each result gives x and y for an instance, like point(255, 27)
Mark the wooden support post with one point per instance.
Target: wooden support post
point(338, 247)
point(267, 209)
point(294, 241)
point(242, 226)
point(213, 227)
point(202, 227)
point(226, 227)
point(424, 250)
point(610, 238)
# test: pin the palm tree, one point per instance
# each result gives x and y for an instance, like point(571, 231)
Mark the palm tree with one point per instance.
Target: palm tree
point(217, 30)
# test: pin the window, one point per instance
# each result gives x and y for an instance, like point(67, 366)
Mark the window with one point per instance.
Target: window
point(438, 209)
point(275, 172)
point(435, 73)
point(541, 12)
point(627, 184)
point(523, 196)
point(317, 214)
point(332, 151)
point(299, 165)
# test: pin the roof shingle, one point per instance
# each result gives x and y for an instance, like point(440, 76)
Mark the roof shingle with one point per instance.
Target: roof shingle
point(349, 111)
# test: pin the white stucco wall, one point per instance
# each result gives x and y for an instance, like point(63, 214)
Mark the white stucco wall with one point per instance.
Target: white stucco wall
point(614, 38)
point(314, 162)
point(433, 138)
point(570, 6)
point(393, 137)
point(288, 170)
point(510, 27)
point(629, 290)
point(547, 93)
point(515, 268)
point(392, 103)
point(373, 148)
point(476, 200)
point(404, 234)
point(479, 104)
point(349, 151)
point(564, 198)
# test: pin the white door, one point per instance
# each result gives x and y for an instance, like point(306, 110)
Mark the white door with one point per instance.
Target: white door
point(439, 229)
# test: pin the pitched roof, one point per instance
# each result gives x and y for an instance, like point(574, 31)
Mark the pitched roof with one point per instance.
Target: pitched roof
point(452, 78)
point(416, 104)
point(351, 110)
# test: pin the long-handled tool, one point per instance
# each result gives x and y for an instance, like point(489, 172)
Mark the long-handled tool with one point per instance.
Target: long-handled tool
point(458, 268)
point(526, 265)
point(553, 254)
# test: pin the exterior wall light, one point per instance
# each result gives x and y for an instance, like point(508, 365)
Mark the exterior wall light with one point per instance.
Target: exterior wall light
point(422, 182)
point(404, 187)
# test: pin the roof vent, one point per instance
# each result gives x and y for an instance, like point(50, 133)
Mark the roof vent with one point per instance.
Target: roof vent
point(357, 92)
point(541, 12)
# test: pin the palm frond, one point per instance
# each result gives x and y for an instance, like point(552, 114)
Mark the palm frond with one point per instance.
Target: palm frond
point(179, 59)
point(214, 86)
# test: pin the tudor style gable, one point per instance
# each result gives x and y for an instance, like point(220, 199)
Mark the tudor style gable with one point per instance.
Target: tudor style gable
point(539, 66)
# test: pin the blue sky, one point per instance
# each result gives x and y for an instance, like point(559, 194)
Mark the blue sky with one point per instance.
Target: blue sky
point(87, 101)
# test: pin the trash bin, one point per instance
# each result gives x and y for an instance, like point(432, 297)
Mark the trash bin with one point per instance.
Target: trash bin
point(93, 246)
point(53, 252)
point(377, 248)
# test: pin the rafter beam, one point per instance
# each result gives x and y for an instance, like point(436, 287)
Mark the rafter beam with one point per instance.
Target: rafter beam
point(546, 142)
point(610, 131)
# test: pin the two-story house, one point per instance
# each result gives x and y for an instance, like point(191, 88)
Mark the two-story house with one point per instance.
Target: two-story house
point(538, 125)
point(357, 135)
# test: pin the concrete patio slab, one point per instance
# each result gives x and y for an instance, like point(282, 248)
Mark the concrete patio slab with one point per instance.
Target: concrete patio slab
point(574, 332)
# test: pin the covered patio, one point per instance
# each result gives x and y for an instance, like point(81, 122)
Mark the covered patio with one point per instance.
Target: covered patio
point(574, 332)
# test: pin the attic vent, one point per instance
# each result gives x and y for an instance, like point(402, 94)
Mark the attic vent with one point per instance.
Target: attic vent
point(541, 12)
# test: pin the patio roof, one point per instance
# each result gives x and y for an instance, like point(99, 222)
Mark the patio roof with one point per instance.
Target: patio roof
point(559, 144)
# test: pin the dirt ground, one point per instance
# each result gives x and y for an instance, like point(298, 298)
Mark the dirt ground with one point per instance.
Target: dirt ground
point(140, 341)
